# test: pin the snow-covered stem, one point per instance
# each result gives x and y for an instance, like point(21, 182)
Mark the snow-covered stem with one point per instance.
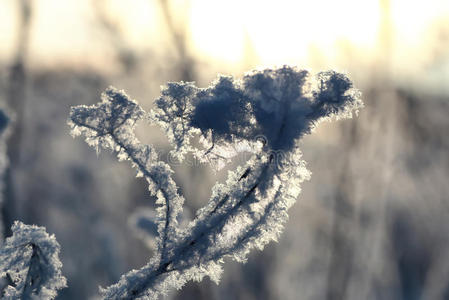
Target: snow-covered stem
point(30, 263)
point(265, 113)
point(110, 125)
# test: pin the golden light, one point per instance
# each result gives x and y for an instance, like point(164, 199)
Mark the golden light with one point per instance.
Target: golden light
point(280, 31)
point(277, 32)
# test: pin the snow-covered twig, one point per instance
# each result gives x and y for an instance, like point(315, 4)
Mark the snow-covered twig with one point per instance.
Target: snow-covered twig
point(29, 260)
point(265, 113)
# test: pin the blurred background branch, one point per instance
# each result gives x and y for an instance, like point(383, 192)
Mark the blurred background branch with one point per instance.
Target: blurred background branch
point(16, 99)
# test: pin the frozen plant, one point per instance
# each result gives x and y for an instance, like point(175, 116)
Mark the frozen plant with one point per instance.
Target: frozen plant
point(265, 113)
point(29, 264)
point(29, 261)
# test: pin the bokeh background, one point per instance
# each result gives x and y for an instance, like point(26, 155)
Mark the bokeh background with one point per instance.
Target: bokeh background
point(372, 223)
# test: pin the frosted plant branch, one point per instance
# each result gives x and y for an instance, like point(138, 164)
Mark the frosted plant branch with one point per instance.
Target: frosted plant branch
point(110, 125)
point(29, 260)
point(266, 113)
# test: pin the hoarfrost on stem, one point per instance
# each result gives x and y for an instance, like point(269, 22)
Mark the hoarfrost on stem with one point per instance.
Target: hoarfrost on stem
point(265, 113)
point(30, 263)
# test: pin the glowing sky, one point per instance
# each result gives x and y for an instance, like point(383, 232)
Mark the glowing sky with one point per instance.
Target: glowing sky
point(278, 32)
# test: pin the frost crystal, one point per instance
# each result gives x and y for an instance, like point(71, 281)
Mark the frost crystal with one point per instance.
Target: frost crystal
point(30, 263)
point(265, 113)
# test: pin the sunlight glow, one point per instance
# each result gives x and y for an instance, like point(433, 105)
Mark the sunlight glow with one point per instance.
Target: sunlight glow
point(280, 30)
point(231, 32)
